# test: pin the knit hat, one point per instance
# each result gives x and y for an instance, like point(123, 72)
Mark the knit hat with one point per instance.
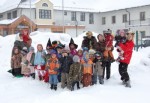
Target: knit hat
point(31, 49)
point(89, 33)
point(61, 46)
point(130, 32)
point(85, 49)
point(107, 31)
point(85, 56)
point(76, 58)
point(72, 42)
point(98, 54)
point(53, 52)
point(91, 51)
point(24, 50)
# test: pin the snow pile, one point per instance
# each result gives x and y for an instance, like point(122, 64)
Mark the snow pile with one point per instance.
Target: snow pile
point(26, 90)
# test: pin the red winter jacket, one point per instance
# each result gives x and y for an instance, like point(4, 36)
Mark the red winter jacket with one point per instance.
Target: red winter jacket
point(127, 48)
point(108, 40)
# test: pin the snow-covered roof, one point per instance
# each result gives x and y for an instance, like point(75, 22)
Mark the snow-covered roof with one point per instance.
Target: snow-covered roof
point(75, 9)
point(12, 4)
point(8, 21)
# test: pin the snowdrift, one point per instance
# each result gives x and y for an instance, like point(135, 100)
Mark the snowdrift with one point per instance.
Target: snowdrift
point(26, 90)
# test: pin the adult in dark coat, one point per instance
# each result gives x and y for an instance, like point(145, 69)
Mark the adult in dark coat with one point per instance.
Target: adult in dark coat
point(89, 41)
point(100, 47)
point(19, 42)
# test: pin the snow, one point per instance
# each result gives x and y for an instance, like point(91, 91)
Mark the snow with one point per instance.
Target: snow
point(27, 90)
point(8, 21)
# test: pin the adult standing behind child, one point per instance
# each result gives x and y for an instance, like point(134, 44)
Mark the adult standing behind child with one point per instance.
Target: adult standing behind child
point(89, 41)
point(127, 49)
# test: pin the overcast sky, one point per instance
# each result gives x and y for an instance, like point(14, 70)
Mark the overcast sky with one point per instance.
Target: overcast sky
point(101, 5)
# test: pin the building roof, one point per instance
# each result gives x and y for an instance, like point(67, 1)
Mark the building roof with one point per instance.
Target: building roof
point(7, 21)
point(12, 4)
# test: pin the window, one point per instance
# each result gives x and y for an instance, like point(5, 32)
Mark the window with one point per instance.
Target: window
point(65, 12)
point(82, 17)
point(44, 14)
point(1, 16)
point(124, 18)
point(103, 20)
point(44, 5)
point(142, 16)
point(142, 34)
point(14, 14)
point(8, 15)
point(113, 19)
point(91, 18)
point(73, 16)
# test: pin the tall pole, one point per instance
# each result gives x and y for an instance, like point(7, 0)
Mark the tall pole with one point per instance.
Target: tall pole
point(30, 18)
point(129, 17)
point(63, 16)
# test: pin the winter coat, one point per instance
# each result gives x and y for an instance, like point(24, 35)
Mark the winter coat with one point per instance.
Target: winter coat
point(75, 72)
point(100, 46)
point(65, 64)
point(47, 57)
point(30, 60)
point(24, 69)
point(16, 61)
point(127, 48)
point(89, 43)
point(120, 39)
point(40, 58)
point(19, 43)
point(98, 68)
point(73, 52)
point(108, 40)
point(53, 65)
point(87, 67)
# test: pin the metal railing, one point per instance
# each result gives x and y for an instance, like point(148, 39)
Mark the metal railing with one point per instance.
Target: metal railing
point(138, 23)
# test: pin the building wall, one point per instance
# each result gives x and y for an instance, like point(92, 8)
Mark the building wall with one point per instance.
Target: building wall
point(134, 17)
point(26, 12)
point(67, 20)
point(11, 11)
point(39, 6)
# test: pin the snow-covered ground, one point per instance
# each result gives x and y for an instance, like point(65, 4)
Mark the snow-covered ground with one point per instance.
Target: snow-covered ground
point(27, 90)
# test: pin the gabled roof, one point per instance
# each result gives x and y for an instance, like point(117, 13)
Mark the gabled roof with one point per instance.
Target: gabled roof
point(16, 21)
point(7, 21)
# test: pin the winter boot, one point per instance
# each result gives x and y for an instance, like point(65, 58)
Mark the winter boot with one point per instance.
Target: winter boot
point(123, 82)
point(40, 77)
point(55, 87)
point(101, 80)
point(52, 86)
point(72, 88)
point(127, 84)
point(33, 75)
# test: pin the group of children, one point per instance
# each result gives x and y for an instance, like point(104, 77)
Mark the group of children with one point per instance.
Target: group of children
point(68, 66)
